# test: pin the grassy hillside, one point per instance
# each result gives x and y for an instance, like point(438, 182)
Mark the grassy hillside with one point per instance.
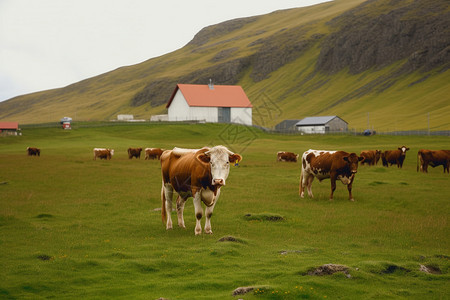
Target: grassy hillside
point(72, 227)
point(383, 59)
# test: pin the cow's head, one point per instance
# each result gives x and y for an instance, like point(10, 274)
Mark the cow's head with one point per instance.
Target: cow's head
point(403, 149)
point(111, 151)
point(352, 160)
point(219, 158)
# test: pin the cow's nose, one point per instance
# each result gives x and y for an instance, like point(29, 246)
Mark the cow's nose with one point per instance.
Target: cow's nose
point(218, 182)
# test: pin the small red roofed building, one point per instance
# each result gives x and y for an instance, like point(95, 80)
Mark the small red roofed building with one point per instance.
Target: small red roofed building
point(9, 128)
point(210, 103)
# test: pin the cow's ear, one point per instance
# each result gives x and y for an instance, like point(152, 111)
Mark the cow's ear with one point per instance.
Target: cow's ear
point(203, 157)
point(235, 158)
point(345, 158)
point(407, 148)
point(361, 158)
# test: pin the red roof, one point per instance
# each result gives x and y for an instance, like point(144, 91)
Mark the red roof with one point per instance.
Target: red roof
point(218, 96)
point(9, 125)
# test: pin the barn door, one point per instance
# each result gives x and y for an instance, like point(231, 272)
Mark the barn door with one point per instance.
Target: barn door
point(224, 115)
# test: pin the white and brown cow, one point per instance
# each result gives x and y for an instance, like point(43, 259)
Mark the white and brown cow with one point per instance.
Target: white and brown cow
point(433, 158)
point(197, 173)
point(287, 156)
point(336, 165)
point(153, 153)
point(390, 157)
point(103, 153)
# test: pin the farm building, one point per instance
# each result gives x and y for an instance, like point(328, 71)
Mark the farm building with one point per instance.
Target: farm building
point(286, 125)
point(321, 125)
point(9, 128)
point(210, 103)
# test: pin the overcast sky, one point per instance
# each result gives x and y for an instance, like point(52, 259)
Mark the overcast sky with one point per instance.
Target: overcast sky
point(47, 44)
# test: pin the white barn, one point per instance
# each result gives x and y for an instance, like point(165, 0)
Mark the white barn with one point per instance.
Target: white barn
point(210, 103)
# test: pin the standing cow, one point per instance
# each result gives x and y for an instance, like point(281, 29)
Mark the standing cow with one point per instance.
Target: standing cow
point(371, 157)
point(103, 153)
point(433, 158)
point(32, 151)
point(153, 153)
point(134, 152)
point(390, 157)
point(194, 173)
point(287, 156)
point(328, 164)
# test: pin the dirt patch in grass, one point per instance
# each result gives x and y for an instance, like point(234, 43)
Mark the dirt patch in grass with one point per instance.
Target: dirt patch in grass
point(264, 217)
point(233, 239)
point(329, 269)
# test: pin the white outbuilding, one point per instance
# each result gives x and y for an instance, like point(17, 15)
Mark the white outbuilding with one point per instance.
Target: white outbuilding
point(322, 125)
point(210, 103)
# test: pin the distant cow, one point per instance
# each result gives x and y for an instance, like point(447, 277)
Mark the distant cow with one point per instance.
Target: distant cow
point(153, 153)
point(371, 157)
point(287, 156)
point(134, 152)
point(33, 151)
point(397, 157)
point(194, 173)
point(433, 158)
point(103, 153)
point(336, 165)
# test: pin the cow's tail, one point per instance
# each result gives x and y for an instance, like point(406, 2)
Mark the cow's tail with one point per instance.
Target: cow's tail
point(300, 186)
point(163, 207)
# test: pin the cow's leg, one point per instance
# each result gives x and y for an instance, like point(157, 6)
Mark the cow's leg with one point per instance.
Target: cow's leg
point(349, 187)
point(333, 185)
point(168, 193)
point(301, 186)
point(198, 212)
point(209, 211)
point(309, 185)
point(180, 209)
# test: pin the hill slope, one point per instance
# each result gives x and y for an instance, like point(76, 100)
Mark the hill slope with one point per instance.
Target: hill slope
point(382, 64)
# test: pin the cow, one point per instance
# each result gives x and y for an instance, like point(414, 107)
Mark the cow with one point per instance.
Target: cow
point(196, 173)
point(328, 164)
point(134, 152)
point(33, 151)
point(287, 156)
point(153, 153)
point(433, 158)
point(103, 153)
point(371, 157)
point(390, 157)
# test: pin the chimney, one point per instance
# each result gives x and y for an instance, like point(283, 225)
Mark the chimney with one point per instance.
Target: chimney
point(211, 85)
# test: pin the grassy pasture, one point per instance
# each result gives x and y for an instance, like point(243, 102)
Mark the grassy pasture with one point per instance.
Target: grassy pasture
point(72, 227)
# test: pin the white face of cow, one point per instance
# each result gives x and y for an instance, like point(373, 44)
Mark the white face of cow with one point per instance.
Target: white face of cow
point(219, 158)
point(403, 149)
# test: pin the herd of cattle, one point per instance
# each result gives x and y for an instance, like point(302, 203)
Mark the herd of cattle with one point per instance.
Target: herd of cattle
point(201, 173)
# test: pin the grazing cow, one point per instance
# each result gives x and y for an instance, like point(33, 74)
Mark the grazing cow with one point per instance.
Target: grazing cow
point(134, 152)
point(394, 156)
point(371, 157)
point(153, 153)
point(103, 153)
point(33, 151)
point(287, 156)
point(328, 164)
point(433, 158)
point(197, 173)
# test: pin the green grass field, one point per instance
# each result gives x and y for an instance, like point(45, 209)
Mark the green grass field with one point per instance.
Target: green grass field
point(75, 228)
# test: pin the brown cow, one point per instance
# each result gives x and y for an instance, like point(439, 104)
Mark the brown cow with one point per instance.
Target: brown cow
point(134, 152)
point(194, 173)
point(394, 156)
point(153, 153)
point(287, 156)
point(33, 151)
point(371, 157)
point(328, 164)
point(103, 153)
point(433, 158)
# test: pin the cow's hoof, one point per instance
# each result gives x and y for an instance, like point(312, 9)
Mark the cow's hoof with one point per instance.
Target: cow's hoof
point(353, 200)
point(208, 232)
